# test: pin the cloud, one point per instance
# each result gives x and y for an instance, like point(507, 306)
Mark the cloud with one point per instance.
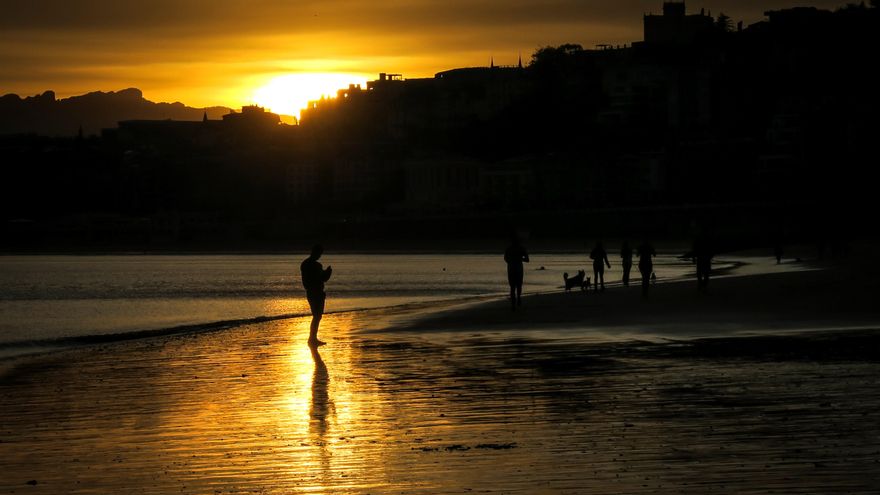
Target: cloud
point(202, 48)
point(199, 16)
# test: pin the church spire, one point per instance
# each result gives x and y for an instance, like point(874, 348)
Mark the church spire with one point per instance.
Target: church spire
point(491, 62)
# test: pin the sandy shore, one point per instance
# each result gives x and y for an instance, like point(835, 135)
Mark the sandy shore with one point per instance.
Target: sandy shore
point(597, 393)
point(808, 297)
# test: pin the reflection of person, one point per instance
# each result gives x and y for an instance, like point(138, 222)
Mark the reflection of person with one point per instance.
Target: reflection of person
point(626, 261)
point(514, 256)
point(321, 410)
point(600, 261)
point(313, 278)
point(320, 395)
point(646, 264)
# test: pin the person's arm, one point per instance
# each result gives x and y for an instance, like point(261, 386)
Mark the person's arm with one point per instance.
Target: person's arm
point(306, 273)
point(327, 273)
point(525, 256)
point(607, 263)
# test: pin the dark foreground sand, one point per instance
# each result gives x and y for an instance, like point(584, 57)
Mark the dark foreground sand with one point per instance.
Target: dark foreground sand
point(474, 400)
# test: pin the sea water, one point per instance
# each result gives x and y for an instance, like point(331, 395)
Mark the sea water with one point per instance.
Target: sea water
point(47, 298)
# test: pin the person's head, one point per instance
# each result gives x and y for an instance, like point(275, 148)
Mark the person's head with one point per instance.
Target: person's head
point(514, 238)
point(317, 251)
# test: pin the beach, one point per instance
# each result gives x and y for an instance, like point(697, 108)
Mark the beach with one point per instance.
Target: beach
point(767, 383)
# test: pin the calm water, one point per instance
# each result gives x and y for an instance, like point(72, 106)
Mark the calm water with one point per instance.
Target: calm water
point(50, 297)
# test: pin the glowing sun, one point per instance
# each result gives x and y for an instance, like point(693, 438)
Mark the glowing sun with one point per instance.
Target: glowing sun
point(288, 94)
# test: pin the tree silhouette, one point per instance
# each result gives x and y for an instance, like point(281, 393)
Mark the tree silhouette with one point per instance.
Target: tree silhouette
point(552, 55)
point(724, 23)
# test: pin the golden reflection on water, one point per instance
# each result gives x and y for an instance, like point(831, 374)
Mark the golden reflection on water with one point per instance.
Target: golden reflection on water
point(324, 406)
point(254, 410)
point(320, 411)
point(285, 306)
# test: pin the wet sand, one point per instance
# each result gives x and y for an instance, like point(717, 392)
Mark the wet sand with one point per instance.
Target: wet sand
point(805, 297)
point(460, 403)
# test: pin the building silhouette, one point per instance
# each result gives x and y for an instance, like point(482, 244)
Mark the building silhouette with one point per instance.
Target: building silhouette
point(675, 26)
point(772, 122)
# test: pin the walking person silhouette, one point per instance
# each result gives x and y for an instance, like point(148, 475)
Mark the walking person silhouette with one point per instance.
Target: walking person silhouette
point(703, 251)
point(313, 277)
point(600, 261)
point(646, 254)
point(514, 256)
point(626, 261)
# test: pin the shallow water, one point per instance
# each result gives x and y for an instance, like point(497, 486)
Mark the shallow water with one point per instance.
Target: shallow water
point(54, 297)
point(252, 410)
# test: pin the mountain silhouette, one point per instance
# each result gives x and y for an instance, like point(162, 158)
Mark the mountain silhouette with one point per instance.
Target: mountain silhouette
point(45, 115)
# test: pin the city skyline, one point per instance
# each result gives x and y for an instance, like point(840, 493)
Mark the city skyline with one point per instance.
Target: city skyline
point(272, 52)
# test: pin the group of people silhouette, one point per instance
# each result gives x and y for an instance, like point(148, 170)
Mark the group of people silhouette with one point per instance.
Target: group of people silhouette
point(516, 255)
point(701, 254)
point(314, 275)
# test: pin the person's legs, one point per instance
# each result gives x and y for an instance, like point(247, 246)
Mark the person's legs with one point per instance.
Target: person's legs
point(515, 279)
point(626, 269)
point(646, 278)
point(702, 275)
point(519, 294)
point(316, 304)
point(313, 329)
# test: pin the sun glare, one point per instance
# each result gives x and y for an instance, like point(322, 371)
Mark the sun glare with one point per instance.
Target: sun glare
point(290, 93)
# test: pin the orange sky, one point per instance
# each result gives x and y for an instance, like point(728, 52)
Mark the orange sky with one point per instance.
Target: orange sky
point(219, 52)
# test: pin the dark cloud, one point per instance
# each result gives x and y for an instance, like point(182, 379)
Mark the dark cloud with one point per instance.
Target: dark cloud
point(313, 15)
point(69, 44)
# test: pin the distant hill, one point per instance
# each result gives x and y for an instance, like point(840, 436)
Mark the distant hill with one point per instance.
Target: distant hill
point(46, 115)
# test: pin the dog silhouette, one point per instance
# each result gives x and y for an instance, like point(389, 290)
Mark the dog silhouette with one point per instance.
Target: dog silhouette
point(579, 280)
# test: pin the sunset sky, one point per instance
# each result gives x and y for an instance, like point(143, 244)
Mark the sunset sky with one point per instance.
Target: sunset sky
point(235, 52)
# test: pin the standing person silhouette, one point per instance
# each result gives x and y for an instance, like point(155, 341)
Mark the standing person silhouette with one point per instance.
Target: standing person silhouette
point(646, 254)
point(702, 256)
point(313, 277)
point(778, 252)
point(600, 261)
point(626, 260)
point(514, 256)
